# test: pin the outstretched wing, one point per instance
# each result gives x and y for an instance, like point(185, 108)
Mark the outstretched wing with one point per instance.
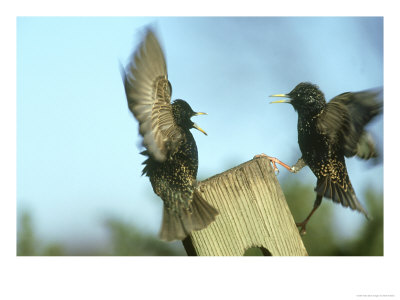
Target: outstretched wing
point(148, 92)
point(345, 117)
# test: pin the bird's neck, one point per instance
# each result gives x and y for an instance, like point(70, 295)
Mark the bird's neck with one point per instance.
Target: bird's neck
point(309, 113)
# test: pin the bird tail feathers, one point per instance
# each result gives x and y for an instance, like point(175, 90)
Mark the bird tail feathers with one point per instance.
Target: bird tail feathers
point(346, 197)
point(176, 225)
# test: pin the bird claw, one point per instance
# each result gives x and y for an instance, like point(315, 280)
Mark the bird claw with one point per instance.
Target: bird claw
point(272, 160)
point(302, 228)
point(275, 161)
point(260, 155)
point(276, 170)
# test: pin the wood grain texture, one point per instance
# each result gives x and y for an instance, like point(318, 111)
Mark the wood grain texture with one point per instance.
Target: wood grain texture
point(252, 213)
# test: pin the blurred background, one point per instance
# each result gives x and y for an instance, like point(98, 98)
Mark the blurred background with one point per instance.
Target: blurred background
point(79, 189)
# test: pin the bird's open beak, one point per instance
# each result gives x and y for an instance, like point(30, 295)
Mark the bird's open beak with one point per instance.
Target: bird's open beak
point(197, 126)
point(199, 129)
point(283, 100)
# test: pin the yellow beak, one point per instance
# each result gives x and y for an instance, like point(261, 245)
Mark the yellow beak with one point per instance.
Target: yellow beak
point(281, 101)
point(197, 126)
point(199, 129)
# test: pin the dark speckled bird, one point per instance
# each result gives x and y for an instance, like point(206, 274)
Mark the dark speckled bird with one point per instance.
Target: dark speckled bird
point(329, 132)
point(171, 149)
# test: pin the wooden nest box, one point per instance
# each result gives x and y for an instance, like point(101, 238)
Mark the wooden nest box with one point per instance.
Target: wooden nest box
point(252, 213)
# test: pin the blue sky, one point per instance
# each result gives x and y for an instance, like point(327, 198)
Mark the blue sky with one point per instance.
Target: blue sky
point(78, 146)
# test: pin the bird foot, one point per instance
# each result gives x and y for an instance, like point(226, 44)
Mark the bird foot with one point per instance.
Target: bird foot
point(302, 226)
point(274, 161)
point(276, 170)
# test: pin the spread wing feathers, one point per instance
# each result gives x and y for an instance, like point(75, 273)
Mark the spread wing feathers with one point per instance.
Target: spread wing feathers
point(334, 183)
point(345, 117)
point(148, 92)
point(366, 147)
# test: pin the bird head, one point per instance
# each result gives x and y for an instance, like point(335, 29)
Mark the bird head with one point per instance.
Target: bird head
point(306, 98)
point(183, 112)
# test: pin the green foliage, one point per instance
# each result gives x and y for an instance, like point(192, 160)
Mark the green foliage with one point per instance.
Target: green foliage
point(321, 238)
point(28, 244)
point(126, 239)
point(257, 251)
point(26, 237)
point(53, 250)
point(254, 251)
point(369, 241)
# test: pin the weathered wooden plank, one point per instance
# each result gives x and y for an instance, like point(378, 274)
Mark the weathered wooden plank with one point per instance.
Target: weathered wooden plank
point(253, 213)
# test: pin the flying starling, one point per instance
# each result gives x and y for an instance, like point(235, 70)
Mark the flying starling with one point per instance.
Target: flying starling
point(328, 132)
point(170, 147)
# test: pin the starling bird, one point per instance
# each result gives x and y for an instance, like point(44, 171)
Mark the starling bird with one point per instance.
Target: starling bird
point(170, 147)
point(327, 132)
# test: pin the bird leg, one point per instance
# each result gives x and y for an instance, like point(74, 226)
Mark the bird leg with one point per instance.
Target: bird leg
point(274, 161)
point(294, 169)
point(298, 166)
point(303, 224)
